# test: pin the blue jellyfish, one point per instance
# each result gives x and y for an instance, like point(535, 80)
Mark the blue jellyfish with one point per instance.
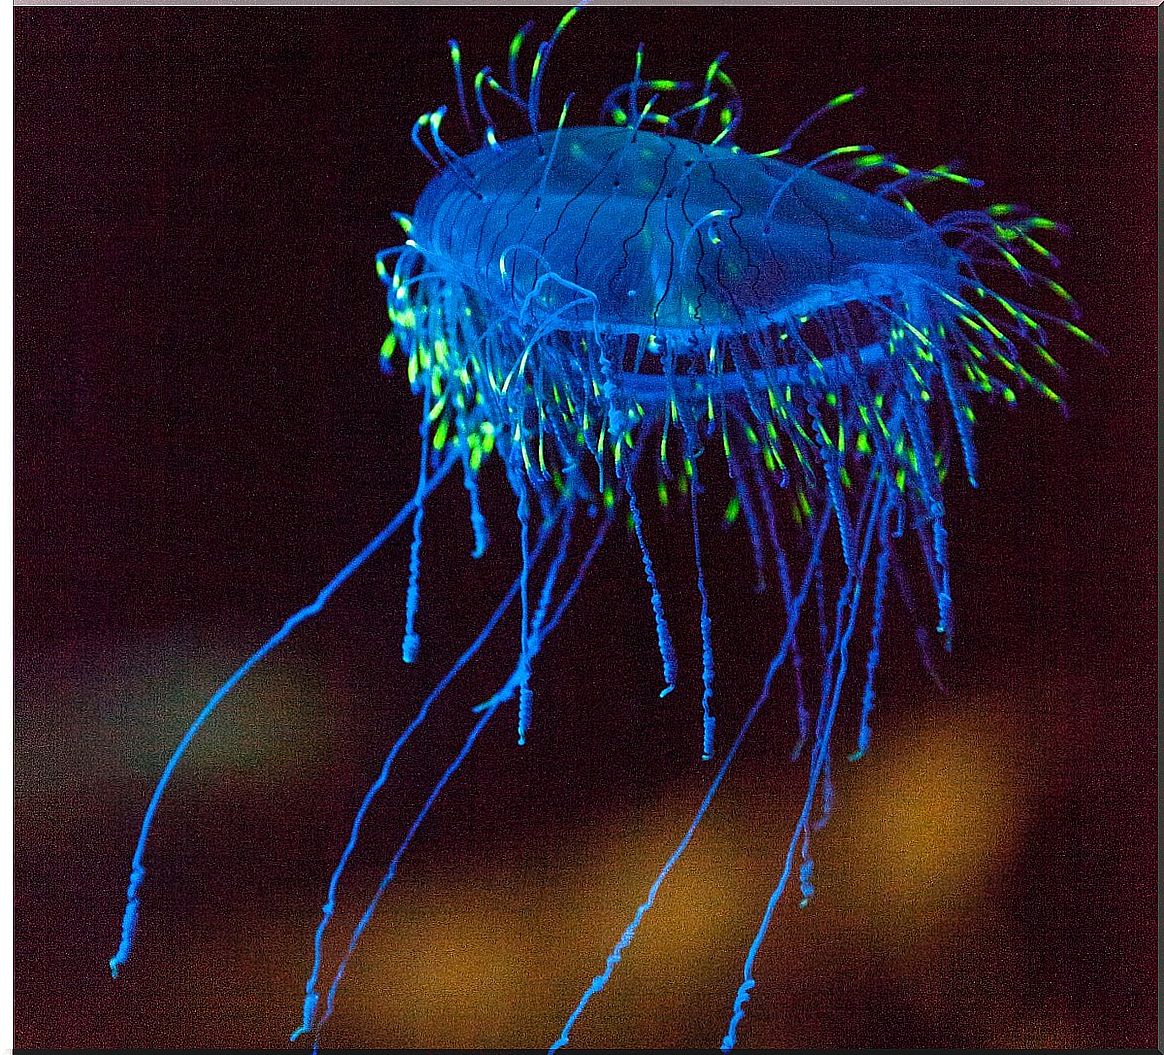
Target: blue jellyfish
point(603, 309)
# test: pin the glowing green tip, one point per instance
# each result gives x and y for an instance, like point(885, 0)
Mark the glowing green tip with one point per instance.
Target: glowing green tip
point(515, 44)
point(945, 173)
point(567, 18)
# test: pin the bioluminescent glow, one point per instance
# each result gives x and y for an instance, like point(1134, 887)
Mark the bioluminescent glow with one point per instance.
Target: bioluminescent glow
point(617, 311)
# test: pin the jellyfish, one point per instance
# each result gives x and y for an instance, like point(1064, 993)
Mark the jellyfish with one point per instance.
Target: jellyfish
point(617, 312)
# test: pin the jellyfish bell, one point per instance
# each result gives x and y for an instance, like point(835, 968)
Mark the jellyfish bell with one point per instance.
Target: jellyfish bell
point(586, 304)
point(668, 236)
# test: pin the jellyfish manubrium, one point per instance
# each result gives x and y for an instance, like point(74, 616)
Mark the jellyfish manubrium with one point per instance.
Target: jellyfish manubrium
point(605, 308)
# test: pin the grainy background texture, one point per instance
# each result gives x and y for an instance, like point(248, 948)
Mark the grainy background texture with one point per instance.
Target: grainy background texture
point(203, 438)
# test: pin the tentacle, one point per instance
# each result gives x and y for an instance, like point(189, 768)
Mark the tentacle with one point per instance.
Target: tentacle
point(539, 68)
point(832, 104)
point(662, 630)
point(525, 706)
point(311, 998)
point(612, 961)
point(455, 54)
point(709, 80)
point(476, 517)
point(782, 572)
point(514, 51)
point(820, 755)
point(411, 643)
point(138, 871)
point(487, 710)
point(704, 624)
point(864, 733)
point(553, 151)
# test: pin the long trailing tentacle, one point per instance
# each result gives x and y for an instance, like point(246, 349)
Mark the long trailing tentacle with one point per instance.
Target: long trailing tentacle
point(785, 577)
point(525, 704)
point(704, 623)
point(864, 733)
point(820, 755)
point(612, 961)
point(836, 665)
point(487, 710)
point(311, 998)
point(138, 871)
point(854, 571)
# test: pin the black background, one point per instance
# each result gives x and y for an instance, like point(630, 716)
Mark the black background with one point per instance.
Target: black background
point(203, 438)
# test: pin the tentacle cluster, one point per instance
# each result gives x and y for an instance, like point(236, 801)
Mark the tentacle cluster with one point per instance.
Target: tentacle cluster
point(883, 364)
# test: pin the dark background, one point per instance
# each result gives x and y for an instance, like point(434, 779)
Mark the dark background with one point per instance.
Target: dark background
point(203, 438)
